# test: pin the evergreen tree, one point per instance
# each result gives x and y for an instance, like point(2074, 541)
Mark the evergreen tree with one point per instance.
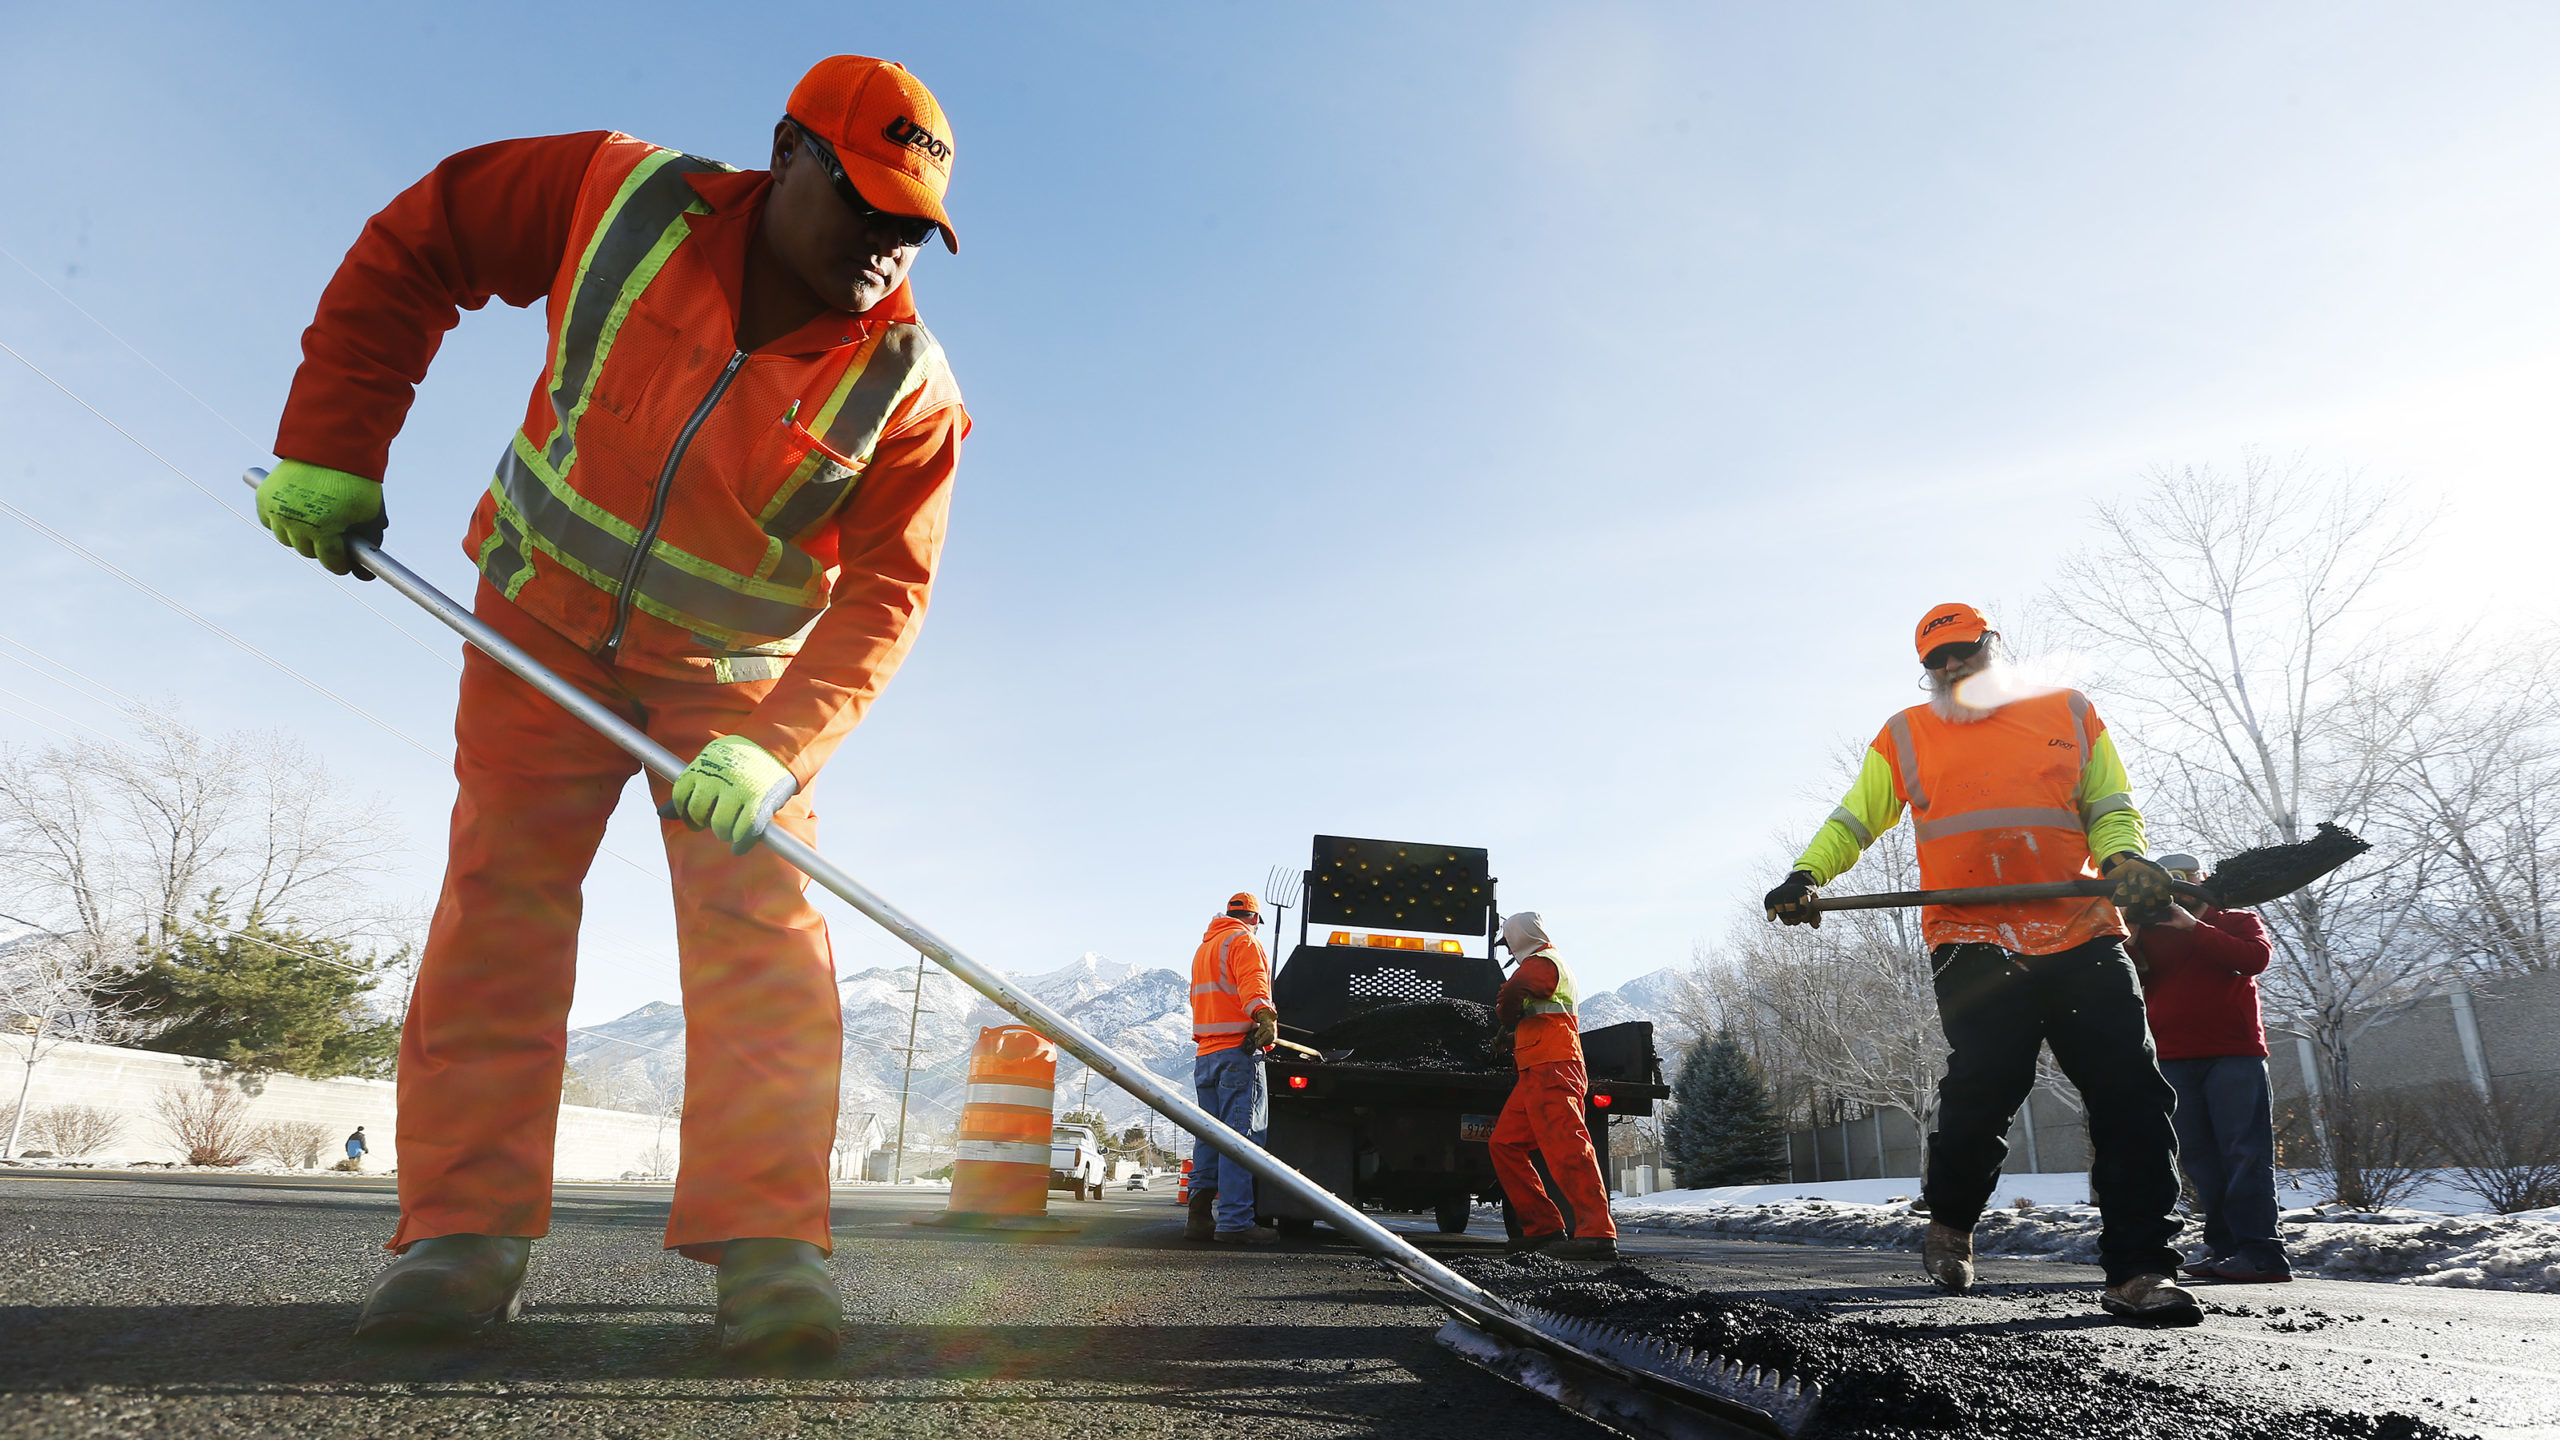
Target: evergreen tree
point(1723, 1130)
point(261, 996)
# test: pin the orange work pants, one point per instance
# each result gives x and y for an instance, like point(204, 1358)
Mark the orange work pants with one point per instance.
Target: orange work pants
point(1544, 1114)
point(486, 1038)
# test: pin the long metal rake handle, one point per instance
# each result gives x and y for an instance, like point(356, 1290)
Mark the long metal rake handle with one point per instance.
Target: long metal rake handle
point(1144, 1084)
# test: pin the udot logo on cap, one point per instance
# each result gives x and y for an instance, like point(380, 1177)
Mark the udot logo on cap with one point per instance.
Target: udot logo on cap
point(905, 131)
point(1950, 624)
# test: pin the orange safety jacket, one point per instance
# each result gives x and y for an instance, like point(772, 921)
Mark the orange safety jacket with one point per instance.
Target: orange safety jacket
point(1995, 801)
point(1230, 980)
point(1541, 995)
point(669, 504)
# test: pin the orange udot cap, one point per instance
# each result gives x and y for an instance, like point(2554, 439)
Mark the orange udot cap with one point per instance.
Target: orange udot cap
point(1243, 906)
point(1949, 624)
point(887, 130)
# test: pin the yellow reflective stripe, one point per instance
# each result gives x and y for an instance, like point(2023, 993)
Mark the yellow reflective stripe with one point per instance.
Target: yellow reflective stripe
point(629, 245)
point(2016, 817)
point(851, 421)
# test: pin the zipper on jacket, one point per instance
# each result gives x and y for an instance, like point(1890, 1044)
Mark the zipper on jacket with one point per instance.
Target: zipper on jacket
point(622, 603)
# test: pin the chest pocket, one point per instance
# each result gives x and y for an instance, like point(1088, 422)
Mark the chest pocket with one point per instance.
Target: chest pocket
point(636, 366)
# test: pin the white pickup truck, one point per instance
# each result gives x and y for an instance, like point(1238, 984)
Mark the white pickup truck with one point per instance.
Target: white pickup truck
point(1076, 1161)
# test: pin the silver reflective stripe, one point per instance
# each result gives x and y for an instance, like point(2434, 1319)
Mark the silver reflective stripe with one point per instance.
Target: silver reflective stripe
point(2019, 817)
point(1907, 761)
point(983, 1093)
point(1221, 1027)
point(2090, 812)
point(583, 542)
point(2080, 724)
point(1212, 987)
point(597, 303)
point(1006, 1152)
point(895, 369)
point(1857, 831)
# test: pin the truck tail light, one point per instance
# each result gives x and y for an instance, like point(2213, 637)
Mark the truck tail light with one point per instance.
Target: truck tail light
point(1297, 1082)
point(1599, 1102)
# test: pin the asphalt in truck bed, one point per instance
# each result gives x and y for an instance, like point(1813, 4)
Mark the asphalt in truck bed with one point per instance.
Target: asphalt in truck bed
point(182, 1305)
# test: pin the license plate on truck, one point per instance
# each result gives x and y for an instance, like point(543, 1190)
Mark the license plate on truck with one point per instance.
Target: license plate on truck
point(1476, 1127)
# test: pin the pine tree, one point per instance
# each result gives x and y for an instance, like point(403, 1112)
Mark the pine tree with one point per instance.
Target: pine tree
point(1723, 1130)
point(261, 996)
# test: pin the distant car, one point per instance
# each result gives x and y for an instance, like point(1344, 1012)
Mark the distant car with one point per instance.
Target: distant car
point(1138, 1181)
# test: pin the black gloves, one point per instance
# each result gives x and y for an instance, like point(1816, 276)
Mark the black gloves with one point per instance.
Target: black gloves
point(2142, 888)
point(1792, 902)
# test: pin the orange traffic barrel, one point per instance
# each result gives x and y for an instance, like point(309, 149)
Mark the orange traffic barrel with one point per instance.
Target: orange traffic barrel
point(1183, 1195)
point(1001, 1179)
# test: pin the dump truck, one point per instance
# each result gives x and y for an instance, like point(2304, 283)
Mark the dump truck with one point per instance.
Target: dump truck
point(1412, 1138)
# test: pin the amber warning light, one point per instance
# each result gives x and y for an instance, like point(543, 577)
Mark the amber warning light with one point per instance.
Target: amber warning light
point(1395, 942)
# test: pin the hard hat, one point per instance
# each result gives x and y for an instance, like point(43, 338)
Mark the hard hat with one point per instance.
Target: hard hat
point(1949, 624)
point(887, 130)
point(2182, 865)
point(1243, 906)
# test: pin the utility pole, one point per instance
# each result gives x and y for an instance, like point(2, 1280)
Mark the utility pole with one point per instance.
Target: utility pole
point(915, 1007)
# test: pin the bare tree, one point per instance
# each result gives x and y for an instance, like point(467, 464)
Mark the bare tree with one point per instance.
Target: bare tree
point(209, 1121)
point(45, 1003)
point(290, 1142)
point(2235, 609)
point(116, 845)
point(73, 1130)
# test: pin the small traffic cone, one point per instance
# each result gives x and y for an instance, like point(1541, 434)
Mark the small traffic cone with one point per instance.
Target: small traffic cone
point(1001, 1179)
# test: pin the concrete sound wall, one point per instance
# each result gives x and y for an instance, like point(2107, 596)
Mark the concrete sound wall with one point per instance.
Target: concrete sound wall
point(592, 1144)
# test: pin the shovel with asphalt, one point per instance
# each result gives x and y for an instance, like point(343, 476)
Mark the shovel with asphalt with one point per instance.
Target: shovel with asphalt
point(1630, 1383)
point(2252, 877)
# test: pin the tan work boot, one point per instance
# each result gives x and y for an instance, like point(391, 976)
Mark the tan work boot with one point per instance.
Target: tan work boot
point(2153, 1300)
point(1202, 1222)
point(1947, 1254)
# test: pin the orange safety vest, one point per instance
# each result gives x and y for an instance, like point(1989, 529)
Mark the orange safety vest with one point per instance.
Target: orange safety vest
point(1230, 979)
point(1996, 801)
point(666, 503)
point(1549, 1029)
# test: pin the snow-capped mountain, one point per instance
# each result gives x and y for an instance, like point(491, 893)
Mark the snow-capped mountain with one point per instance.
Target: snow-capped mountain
point(637, 1061)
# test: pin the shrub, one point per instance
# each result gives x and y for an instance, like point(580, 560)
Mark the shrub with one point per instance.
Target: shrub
point(209, 1122)
point(2504, 1146)
point(290, 1142)
point(76, 1130)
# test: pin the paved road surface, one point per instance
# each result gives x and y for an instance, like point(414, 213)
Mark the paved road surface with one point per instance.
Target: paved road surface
point(187, 1306)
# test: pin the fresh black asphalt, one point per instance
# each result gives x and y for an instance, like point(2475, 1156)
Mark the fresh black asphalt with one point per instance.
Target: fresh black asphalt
point(167, 1306)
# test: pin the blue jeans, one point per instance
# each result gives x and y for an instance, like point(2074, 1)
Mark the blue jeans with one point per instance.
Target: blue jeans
point(1231, 1087)
point(2227, 1145)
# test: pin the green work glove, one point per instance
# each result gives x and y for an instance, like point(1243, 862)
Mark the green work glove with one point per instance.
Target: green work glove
point(2142, 888)
point(314, 509)
point(731, 789)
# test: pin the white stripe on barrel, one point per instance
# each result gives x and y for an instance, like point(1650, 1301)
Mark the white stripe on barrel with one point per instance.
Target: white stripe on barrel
point(1008, 1152)
point(1037, 1097)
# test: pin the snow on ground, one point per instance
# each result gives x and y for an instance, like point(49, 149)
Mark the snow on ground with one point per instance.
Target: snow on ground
point(2407, 1245)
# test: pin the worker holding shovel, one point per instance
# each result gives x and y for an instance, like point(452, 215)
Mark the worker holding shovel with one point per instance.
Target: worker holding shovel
point(720, 518)
point(2008, 784)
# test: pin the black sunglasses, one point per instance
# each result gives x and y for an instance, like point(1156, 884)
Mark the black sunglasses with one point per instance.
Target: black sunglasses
point(1946, 655)
point(909, 231)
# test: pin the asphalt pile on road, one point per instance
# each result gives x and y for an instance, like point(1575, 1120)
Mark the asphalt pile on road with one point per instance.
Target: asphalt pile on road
point(1885, 1381)
point(1453, 1035)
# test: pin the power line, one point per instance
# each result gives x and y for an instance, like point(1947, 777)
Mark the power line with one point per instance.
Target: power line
point(129, 345)
point(76, 548)
point(247, 520)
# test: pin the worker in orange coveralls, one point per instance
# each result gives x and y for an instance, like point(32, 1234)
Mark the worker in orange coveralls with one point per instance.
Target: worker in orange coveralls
point(1535, 1012)
point(720, 516)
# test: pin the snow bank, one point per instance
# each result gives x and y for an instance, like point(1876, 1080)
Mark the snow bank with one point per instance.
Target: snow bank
point(2411, 1247)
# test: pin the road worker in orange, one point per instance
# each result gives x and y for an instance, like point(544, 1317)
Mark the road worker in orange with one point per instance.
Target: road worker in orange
point(1233, 1022)
point(1534, 1013)
point(721, 516)
point(2012, 783)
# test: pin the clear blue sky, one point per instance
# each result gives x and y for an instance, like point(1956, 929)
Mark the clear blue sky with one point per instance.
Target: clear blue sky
point(1526, 426)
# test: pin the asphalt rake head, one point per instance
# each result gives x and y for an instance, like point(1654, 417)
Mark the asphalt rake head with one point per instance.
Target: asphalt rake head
point(1634, 1384)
